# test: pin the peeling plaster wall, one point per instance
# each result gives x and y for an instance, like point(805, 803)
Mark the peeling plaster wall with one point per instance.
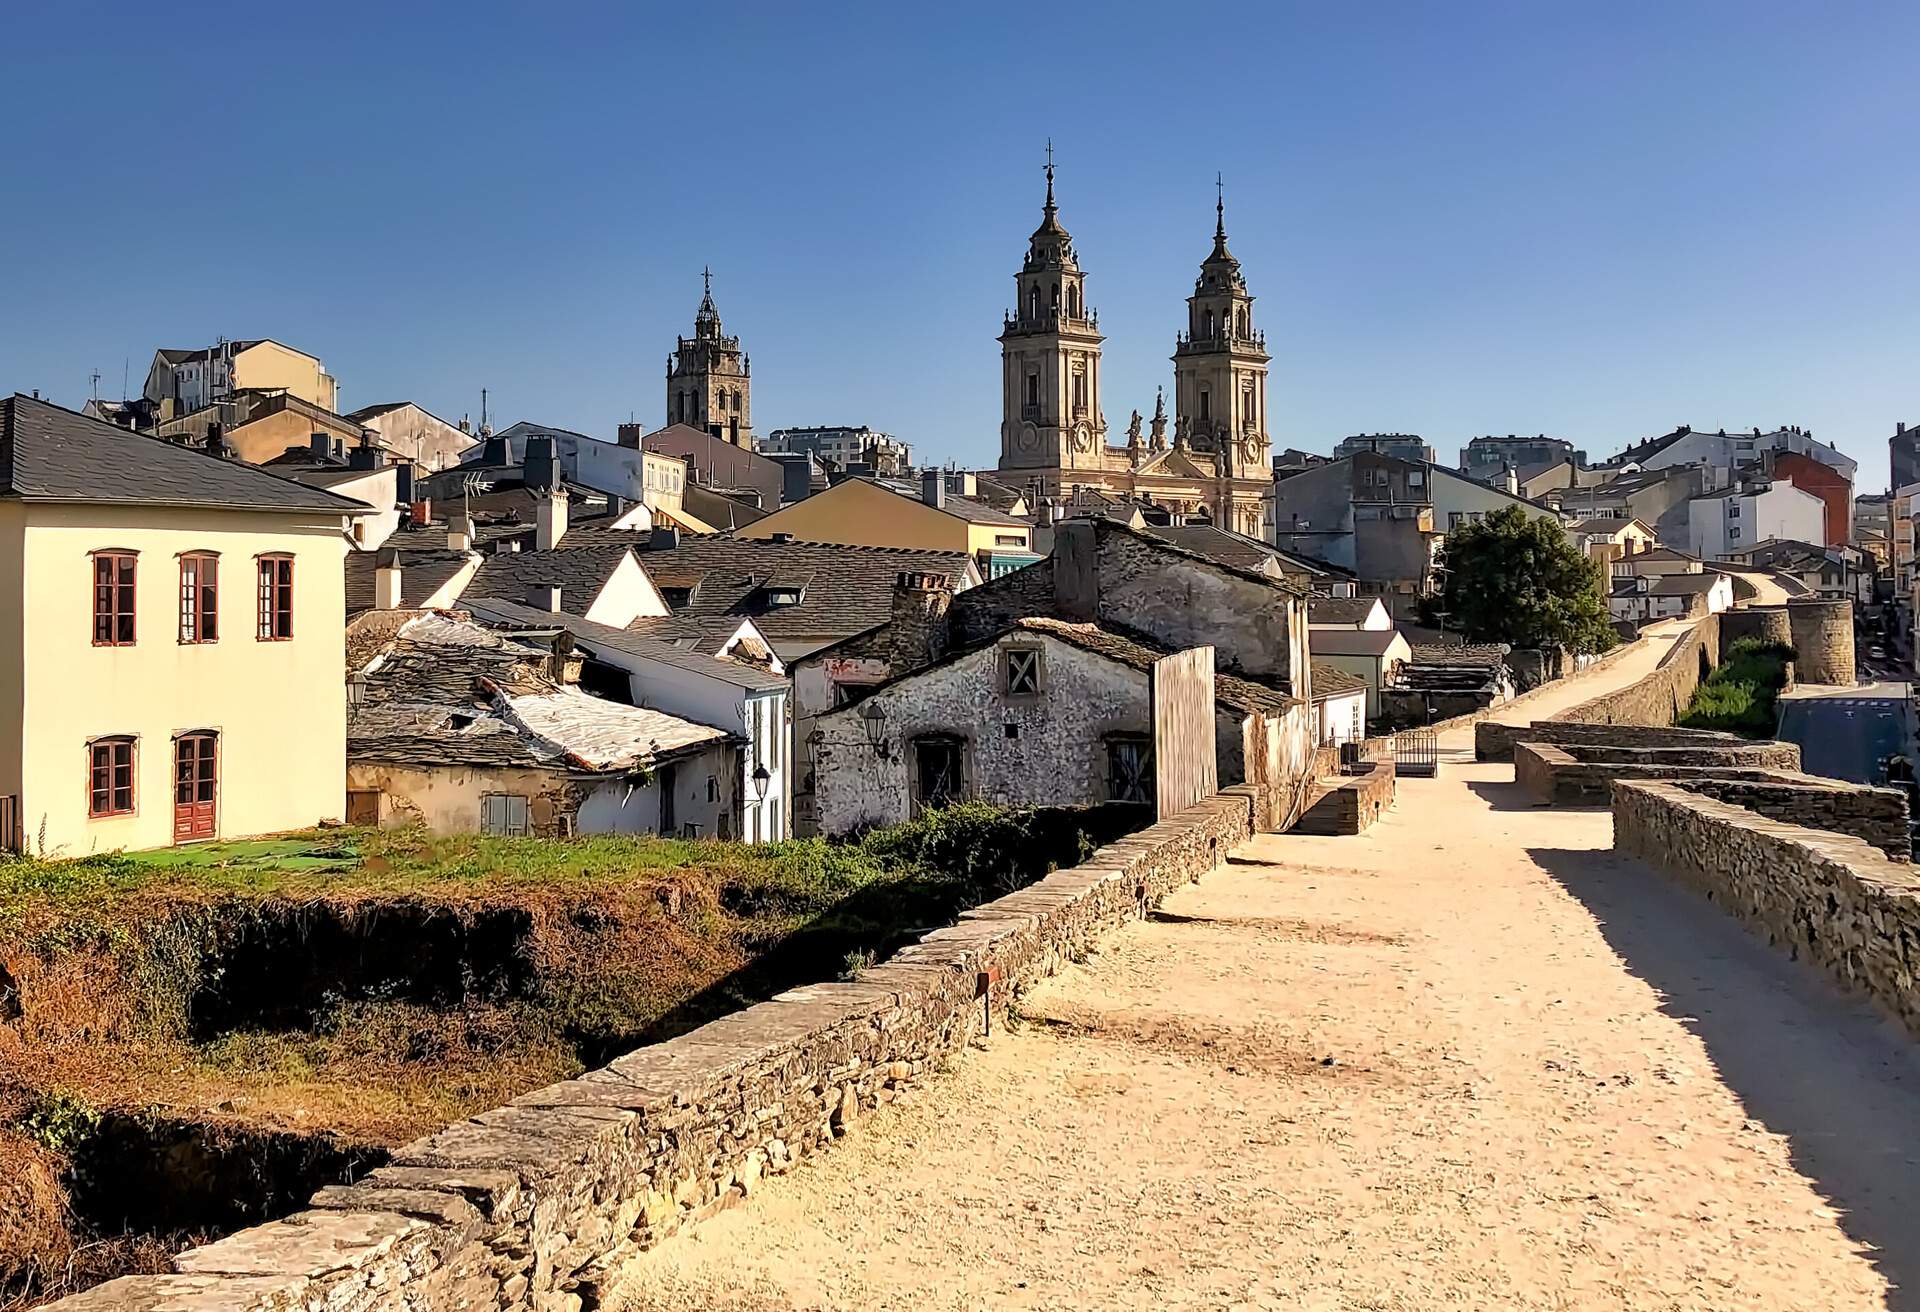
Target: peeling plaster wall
point(446, 798)
point(1059, 757)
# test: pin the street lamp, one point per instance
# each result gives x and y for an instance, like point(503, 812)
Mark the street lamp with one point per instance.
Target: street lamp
point(760, 779)
point(874, 720)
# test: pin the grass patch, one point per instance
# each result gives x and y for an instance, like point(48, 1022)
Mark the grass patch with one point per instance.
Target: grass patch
point(1741, 694)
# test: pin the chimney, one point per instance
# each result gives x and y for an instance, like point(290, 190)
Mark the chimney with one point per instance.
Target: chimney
point(386, 580)
point(665, 537)
point(782, 537)
point(1513, 481)
point(494, 451)
point(918, 634)
point(403, 473)
point(421, 513)
point(1897, 429)
point(460, 533)
point(544, 596)
point(1076, 571)
point(616, 507)
point(365, 456)
point(550, 520)
point(933, 488)
point(541, 467)
point(630, 436)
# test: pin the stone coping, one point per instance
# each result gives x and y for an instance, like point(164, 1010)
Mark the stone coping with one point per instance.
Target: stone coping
point(1600, 662)
point(1832, 899)
point(537, 1204)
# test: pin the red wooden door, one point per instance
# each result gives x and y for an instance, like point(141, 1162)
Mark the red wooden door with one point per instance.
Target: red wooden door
point(195, 761)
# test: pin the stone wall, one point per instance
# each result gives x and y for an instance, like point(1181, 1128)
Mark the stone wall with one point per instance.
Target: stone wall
point(1830, 898)
point(1761, 623)
point(1352, 803)
point(1822, 641)
point(1877, 815)
point(535, 1205)
point(1656, 700)
point(1480, 715)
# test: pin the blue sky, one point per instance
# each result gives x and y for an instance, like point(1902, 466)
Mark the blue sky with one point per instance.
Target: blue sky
point(1593, 220)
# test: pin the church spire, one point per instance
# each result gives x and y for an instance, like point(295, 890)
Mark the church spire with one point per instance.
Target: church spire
point(707, 321)
point(1220, 254)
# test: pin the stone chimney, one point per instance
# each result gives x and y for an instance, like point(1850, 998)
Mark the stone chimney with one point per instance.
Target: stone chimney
point(386, 580)
point(550, 520)
point(918, 633)
point(933, 488)
point(460, 533)
point(1076, 571)
point(544, 596)
point(630, 435)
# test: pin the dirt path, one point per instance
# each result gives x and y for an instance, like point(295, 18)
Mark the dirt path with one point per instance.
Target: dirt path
point(1469, 1060)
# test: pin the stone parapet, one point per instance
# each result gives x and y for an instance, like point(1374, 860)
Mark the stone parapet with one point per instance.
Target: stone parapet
point(535, 1205)
point(1829, 898)
point(1352, 803)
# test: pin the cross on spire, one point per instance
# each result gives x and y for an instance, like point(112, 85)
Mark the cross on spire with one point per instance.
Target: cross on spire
point(1050, 204)
point(706, 277)
point(1219, 205)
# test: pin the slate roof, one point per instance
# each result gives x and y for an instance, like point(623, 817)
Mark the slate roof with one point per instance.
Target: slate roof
point(1133, 650)
point(852, 588)
point(1602, 524)
point(451, 692)
point(1340, 610)
point(1683, 585)
point(1332, 681)
point(52, 454)
point(967, 508)
point(422, 573)
point(590, 635)
point(1227, 548)
point(579, 572)
point(1351, 642)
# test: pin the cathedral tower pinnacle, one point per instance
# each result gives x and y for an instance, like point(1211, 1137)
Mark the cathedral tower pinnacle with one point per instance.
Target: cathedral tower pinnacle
point(709, 378)
point(1220, 362)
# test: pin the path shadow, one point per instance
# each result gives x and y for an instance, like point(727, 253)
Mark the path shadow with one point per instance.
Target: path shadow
point(1507, 796)
point(1818, 1066)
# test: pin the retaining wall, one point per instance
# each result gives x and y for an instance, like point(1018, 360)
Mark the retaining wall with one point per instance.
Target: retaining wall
point(1353, 803)
point(1559, 776)
point(1830, 898)
point(535, 1205)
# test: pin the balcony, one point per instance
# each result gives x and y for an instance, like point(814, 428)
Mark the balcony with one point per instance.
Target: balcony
point(1051, 321)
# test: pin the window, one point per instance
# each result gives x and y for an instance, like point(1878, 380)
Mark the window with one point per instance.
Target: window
point(504, 814)
point(110, 776)
point(1009, 540)
point(1022, 672)
point(938, 771)
point(1205, 412)
point(1033, 390)
point(113, 598)
point(200, 597)
point(1733, 534)
point(276, 598)
point(1416, 478)
point(1130, 769)
point(1358, 729)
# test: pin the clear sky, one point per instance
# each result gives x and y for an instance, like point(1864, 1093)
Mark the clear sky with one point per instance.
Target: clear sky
point(1593, 220)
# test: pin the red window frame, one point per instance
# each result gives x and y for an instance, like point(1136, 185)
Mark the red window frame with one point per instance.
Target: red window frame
point(276, 598)
point(110, 776)
point(199, 597)
point(115, 573)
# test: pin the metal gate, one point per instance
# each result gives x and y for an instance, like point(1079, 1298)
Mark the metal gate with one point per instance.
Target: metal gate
point(1416, 752)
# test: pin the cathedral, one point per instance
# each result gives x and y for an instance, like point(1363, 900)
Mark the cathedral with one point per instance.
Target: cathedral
point(710, 379)
point(1053, 433)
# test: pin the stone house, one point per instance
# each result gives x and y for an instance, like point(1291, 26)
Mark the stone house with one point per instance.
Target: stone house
point(1127, 581)
point(409, 431)
point(1045, 713)
point(464, 730)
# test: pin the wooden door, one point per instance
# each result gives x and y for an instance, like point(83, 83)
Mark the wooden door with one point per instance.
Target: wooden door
point(196, 759)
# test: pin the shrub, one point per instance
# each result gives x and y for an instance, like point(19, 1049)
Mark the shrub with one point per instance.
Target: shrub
point(1739, 696)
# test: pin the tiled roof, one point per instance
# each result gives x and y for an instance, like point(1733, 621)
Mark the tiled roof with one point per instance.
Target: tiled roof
point(852, 588)
point(591, 635)
point(422, 573)
point(579, 572)
point(51, 454)
point(451, 692)
point(1332, 681)
point(1340, 610)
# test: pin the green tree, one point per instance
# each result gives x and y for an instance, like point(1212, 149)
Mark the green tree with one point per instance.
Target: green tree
point(1515, 578)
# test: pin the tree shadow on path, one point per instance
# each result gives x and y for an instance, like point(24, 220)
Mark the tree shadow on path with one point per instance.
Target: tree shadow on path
point(1812, 1063)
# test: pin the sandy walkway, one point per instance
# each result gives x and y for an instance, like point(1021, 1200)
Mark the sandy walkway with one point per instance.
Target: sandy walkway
point(1466, 1061)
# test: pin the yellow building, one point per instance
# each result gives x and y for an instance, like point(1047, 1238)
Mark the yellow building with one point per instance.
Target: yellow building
point(179, 381)
point(174, 670)
point(864, 512)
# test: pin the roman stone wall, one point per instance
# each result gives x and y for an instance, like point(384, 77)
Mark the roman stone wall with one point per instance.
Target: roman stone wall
point(1829, 898)
point(1353, 803)
point(1479, 714)
point(1822, 641)
point(1761, 623)
point(1877, 815)
point(535, 1205)
point(1657, 699)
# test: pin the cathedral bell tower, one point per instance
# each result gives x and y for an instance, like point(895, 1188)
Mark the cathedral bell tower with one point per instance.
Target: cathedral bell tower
point(710, 379)
point(1050, 358)
point(1220, 365)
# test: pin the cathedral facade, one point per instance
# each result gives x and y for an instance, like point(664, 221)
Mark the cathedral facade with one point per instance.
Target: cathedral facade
point(1053, 432)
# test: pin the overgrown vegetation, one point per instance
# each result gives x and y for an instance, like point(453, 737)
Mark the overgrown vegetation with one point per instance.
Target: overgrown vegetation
point(288, 1004)
point(1740, 694)
point(1515, 578)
